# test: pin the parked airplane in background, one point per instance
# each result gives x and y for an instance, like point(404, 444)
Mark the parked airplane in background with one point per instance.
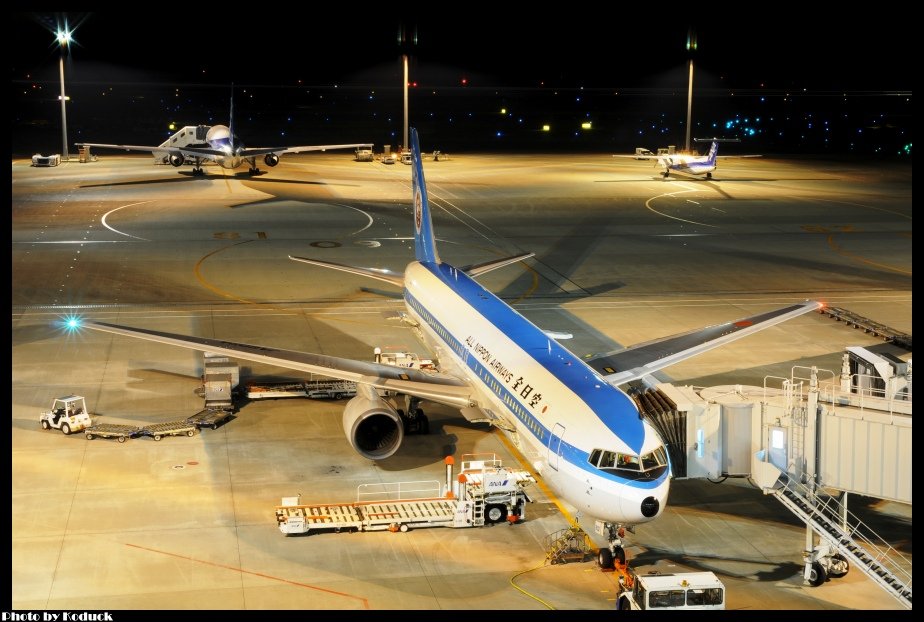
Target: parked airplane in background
point(568, 417)
point(697, 166)
point(218, 144)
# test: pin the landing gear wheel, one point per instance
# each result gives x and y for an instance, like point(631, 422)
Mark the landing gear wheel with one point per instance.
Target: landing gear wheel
point(620, 555)
point(65, 428)
point(46, 425)
point(817, 574)
point(495, 514)
point(838, 567)
point(157, 437)
point(605, 559)
point(254, 171)
point(424, 425)
point(708, 175)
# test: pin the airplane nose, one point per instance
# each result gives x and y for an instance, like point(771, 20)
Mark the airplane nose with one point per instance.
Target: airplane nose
point(650, 507)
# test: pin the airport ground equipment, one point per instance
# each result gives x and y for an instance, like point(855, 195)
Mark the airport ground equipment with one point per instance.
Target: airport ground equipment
point(117, 431)
point(872, 327)
point(810, 440)
point(68, 414)
point(364, 154)
point(43, 160)
point(220, 377)
point(210, 418)
point(170, 428)
point(669, 591)
point(189, 136)
point(485, 493)
point(567, 545)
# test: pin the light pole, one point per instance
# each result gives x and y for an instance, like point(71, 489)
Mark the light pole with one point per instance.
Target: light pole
point(691, 47)
point(406, 146)
point(64, 37)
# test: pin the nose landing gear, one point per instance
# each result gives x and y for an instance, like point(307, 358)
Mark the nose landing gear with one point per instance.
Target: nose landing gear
point(614, 551)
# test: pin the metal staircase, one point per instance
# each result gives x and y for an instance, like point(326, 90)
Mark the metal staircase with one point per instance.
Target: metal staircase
point(567, 545)
point(854, 540)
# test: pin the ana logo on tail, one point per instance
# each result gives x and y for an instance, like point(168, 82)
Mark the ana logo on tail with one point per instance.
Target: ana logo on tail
point(418, 210)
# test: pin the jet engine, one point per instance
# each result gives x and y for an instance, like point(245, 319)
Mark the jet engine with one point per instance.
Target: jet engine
point(177, 159)
point(271, 159)
point(373, 427)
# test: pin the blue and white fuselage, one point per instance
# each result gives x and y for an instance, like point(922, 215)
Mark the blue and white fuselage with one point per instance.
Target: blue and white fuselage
point(220, 138)
point(563, 412)
point(690, 165)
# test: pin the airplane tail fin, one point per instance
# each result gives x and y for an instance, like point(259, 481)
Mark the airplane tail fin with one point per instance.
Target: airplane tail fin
point(231, 119)
point(713, 151)
point(424, 239)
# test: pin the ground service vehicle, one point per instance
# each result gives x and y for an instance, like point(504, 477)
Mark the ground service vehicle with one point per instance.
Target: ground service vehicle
point(68, 414)
point(656, 591)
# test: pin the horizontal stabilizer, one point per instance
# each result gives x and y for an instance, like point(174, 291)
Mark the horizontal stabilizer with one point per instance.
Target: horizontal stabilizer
point(481, 268)
point(373, 273)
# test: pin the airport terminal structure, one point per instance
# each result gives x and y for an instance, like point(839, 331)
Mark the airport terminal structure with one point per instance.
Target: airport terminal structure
point(790, 448)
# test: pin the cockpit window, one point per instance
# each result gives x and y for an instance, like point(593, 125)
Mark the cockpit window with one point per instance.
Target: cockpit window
point(621, 463)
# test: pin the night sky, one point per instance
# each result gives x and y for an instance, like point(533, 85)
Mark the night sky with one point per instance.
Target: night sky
point(485, 80)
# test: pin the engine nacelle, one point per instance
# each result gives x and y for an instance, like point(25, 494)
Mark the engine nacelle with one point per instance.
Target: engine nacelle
point(271, 159)
point(177, 159)
point(373, 427)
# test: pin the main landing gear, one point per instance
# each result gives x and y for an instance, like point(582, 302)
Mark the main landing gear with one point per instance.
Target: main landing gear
point(415, 421)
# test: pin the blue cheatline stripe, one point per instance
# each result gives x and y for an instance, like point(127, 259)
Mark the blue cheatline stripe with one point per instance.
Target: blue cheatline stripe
point(570, 453)
point(615, 409)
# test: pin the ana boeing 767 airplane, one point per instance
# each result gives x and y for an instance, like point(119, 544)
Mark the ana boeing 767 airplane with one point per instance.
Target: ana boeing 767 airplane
point(579, 430)
point(222, 146)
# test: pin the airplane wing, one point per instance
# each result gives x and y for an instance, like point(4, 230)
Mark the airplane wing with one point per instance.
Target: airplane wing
point(195, 152)
point(632, 363)
point(258, 151)
point(434, 387)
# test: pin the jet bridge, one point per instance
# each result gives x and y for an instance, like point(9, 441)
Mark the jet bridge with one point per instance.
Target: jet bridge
point(809, 440)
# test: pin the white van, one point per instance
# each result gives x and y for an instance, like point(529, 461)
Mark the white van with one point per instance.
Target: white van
point(689, 590)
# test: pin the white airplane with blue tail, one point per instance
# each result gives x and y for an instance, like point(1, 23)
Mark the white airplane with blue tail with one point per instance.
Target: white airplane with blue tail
point(578, 429)
point(222, 146)
point(692, 165)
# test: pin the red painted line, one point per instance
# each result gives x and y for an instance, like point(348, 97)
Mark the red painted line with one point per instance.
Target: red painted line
point(364, 601)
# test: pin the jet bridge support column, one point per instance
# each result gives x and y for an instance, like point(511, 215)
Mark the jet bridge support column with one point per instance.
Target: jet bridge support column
point(811, 429)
